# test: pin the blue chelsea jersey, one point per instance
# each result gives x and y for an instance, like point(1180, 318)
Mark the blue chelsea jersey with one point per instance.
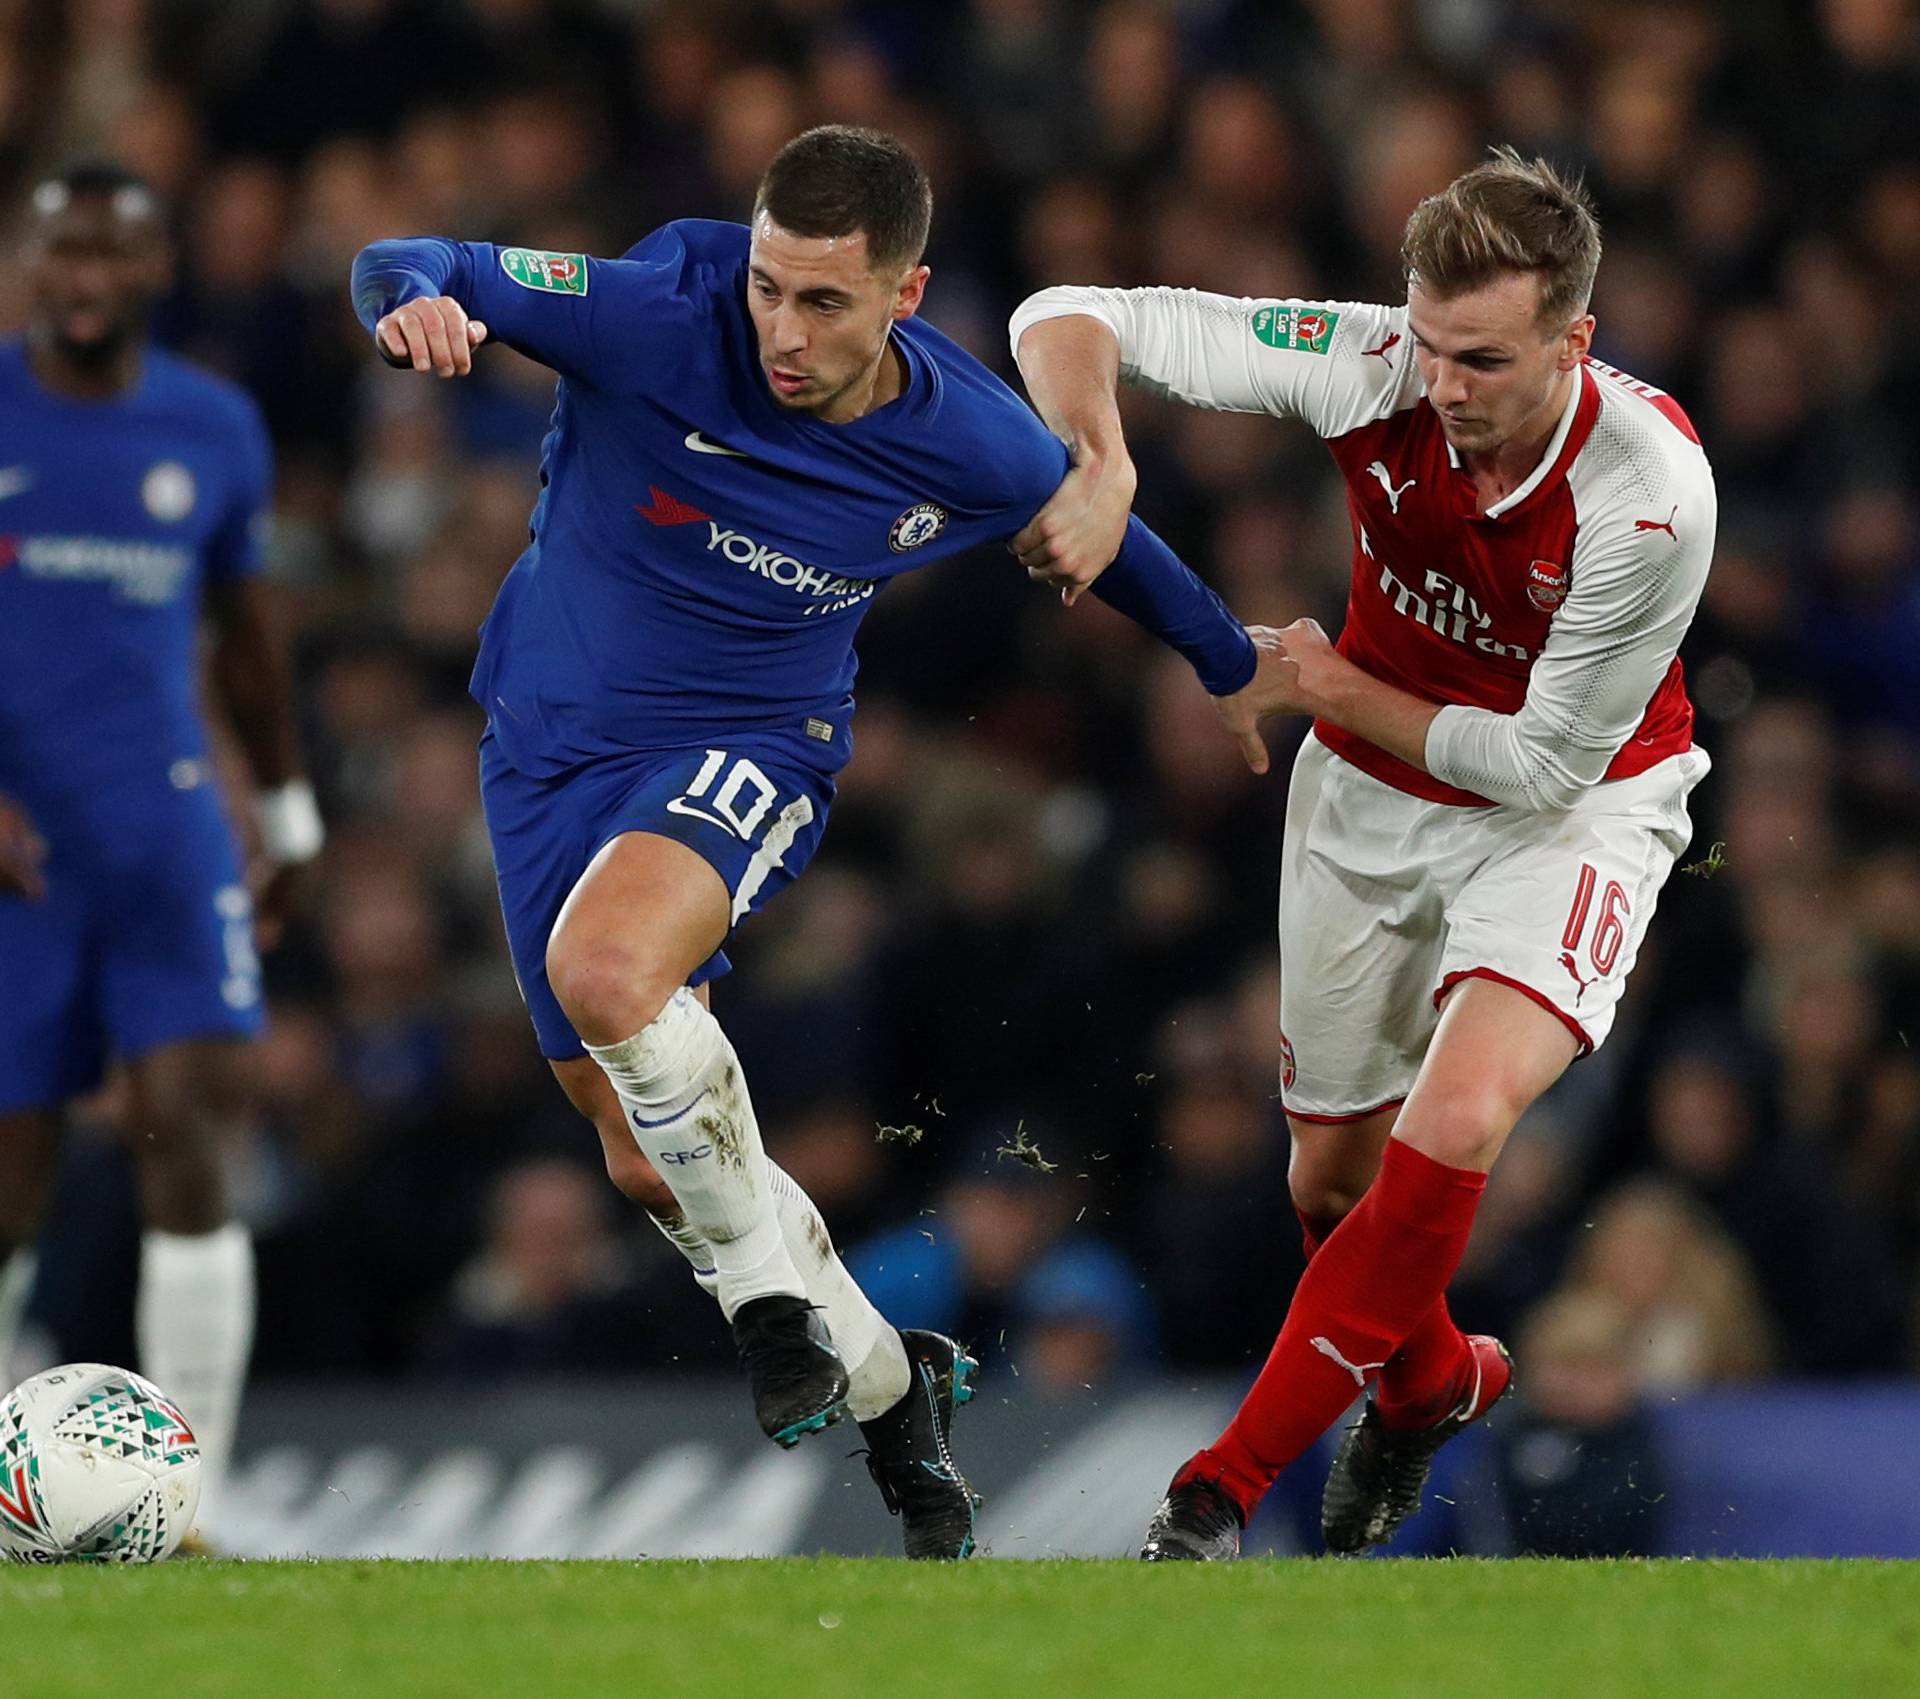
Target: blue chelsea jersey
point(700, 557)
point(114, 515)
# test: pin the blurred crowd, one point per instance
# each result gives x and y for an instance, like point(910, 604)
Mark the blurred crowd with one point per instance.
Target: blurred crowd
point(1016, 1029)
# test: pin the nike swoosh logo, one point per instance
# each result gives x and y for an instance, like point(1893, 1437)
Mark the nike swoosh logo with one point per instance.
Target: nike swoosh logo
point(701, 445)
point(14, 479)
point(680, 805)
point(640, 1120)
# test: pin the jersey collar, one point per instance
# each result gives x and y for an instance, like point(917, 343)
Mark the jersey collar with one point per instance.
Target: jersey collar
point(1576, 421)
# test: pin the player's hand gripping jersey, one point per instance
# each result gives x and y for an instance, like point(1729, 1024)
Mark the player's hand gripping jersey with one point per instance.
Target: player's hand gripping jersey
point(1550, 624)
point(701, 557)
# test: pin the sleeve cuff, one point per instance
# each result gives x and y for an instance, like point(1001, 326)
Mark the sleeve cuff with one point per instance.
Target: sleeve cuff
point(1058, 303)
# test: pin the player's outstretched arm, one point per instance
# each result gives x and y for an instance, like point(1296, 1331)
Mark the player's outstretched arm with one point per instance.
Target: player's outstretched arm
point(1072, 367)
point(22, 850)
point(429, 302)
point(1157, 590)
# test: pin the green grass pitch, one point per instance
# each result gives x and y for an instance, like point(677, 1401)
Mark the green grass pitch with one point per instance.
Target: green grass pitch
point(794, 1628)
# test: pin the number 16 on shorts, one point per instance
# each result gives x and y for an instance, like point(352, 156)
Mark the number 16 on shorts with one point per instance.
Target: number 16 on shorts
point(1609, 929)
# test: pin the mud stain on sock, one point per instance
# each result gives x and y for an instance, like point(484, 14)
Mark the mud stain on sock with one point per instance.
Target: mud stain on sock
point(721, 1125)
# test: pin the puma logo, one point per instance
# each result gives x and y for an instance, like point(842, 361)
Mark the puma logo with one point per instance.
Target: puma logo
point(1567, 962)
point(1379, 470)
point(1665, 525)
point(1390, 342)
point(1359, 1371)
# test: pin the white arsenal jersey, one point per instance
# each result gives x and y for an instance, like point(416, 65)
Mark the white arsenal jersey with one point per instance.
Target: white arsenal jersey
point(1548, 626)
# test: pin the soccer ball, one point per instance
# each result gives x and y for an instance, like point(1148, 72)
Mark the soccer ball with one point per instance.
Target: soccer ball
point(97, 1465)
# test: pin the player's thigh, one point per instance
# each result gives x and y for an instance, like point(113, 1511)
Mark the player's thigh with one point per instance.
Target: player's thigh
point(1361, 925)
point(1495, 1051)
point(53, 1044)
point(1558, 904)
point(29, 1151)
point(646, 913)
point(176, 950)
point(731, 831)
point(590, 1092)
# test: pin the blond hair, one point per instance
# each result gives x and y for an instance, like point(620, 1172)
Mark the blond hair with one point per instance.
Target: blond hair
point(1504, 216)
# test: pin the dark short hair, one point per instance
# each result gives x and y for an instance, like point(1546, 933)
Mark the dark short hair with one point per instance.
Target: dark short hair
point(1507, 215)
point(102, 177)
point(837, 179)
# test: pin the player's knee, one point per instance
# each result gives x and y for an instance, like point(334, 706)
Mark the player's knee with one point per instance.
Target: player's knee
point(1463, 1129)
point(1326, 1180)
point(636, 1178)
point(1323, 1200)
point(608, 990)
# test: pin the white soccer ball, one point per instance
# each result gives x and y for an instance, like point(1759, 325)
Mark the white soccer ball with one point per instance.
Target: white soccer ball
point(97, 1465)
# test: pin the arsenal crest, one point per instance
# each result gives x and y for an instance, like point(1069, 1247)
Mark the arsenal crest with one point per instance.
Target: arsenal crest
point(1546, 585)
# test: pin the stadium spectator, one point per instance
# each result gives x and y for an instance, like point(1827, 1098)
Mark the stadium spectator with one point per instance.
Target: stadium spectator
point(1691, 1303)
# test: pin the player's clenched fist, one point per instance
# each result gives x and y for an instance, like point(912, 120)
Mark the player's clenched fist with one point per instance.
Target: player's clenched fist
point(430, 335)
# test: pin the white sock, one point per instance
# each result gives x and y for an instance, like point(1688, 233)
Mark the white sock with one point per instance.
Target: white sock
point(16, 1283)
point(692, 1244)
point(868, 1343)
point(870, 1346)
point(687, 1107)
point(193, 1322)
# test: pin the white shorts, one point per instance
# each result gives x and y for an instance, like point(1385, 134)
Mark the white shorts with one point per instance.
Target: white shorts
point(1387, 901)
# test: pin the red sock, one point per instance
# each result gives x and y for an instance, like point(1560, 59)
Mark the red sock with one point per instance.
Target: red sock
point(1363, 1293)
point(1425, 1380)
point(1427, 1377)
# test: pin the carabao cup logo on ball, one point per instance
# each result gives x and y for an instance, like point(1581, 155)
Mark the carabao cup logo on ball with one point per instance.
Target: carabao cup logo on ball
point(917, 526)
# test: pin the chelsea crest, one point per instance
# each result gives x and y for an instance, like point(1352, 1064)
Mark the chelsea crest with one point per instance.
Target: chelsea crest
point(918, 525)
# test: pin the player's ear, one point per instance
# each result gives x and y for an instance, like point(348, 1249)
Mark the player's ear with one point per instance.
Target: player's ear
point(912, 291)
point(1579, 340)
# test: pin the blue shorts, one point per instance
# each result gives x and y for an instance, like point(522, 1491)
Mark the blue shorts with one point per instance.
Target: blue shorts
point(144, 938)
point(751, 814)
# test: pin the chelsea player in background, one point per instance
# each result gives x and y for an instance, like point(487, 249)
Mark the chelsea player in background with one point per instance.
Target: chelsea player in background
point(133, 490)
point(753, 433)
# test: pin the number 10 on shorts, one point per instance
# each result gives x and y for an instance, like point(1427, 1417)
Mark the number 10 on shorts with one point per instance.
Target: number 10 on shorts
point(1609, 931)
point(722, 803)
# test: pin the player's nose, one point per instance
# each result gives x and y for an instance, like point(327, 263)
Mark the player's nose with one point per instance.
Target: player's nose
point(1449, 384)
point(788, 332)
